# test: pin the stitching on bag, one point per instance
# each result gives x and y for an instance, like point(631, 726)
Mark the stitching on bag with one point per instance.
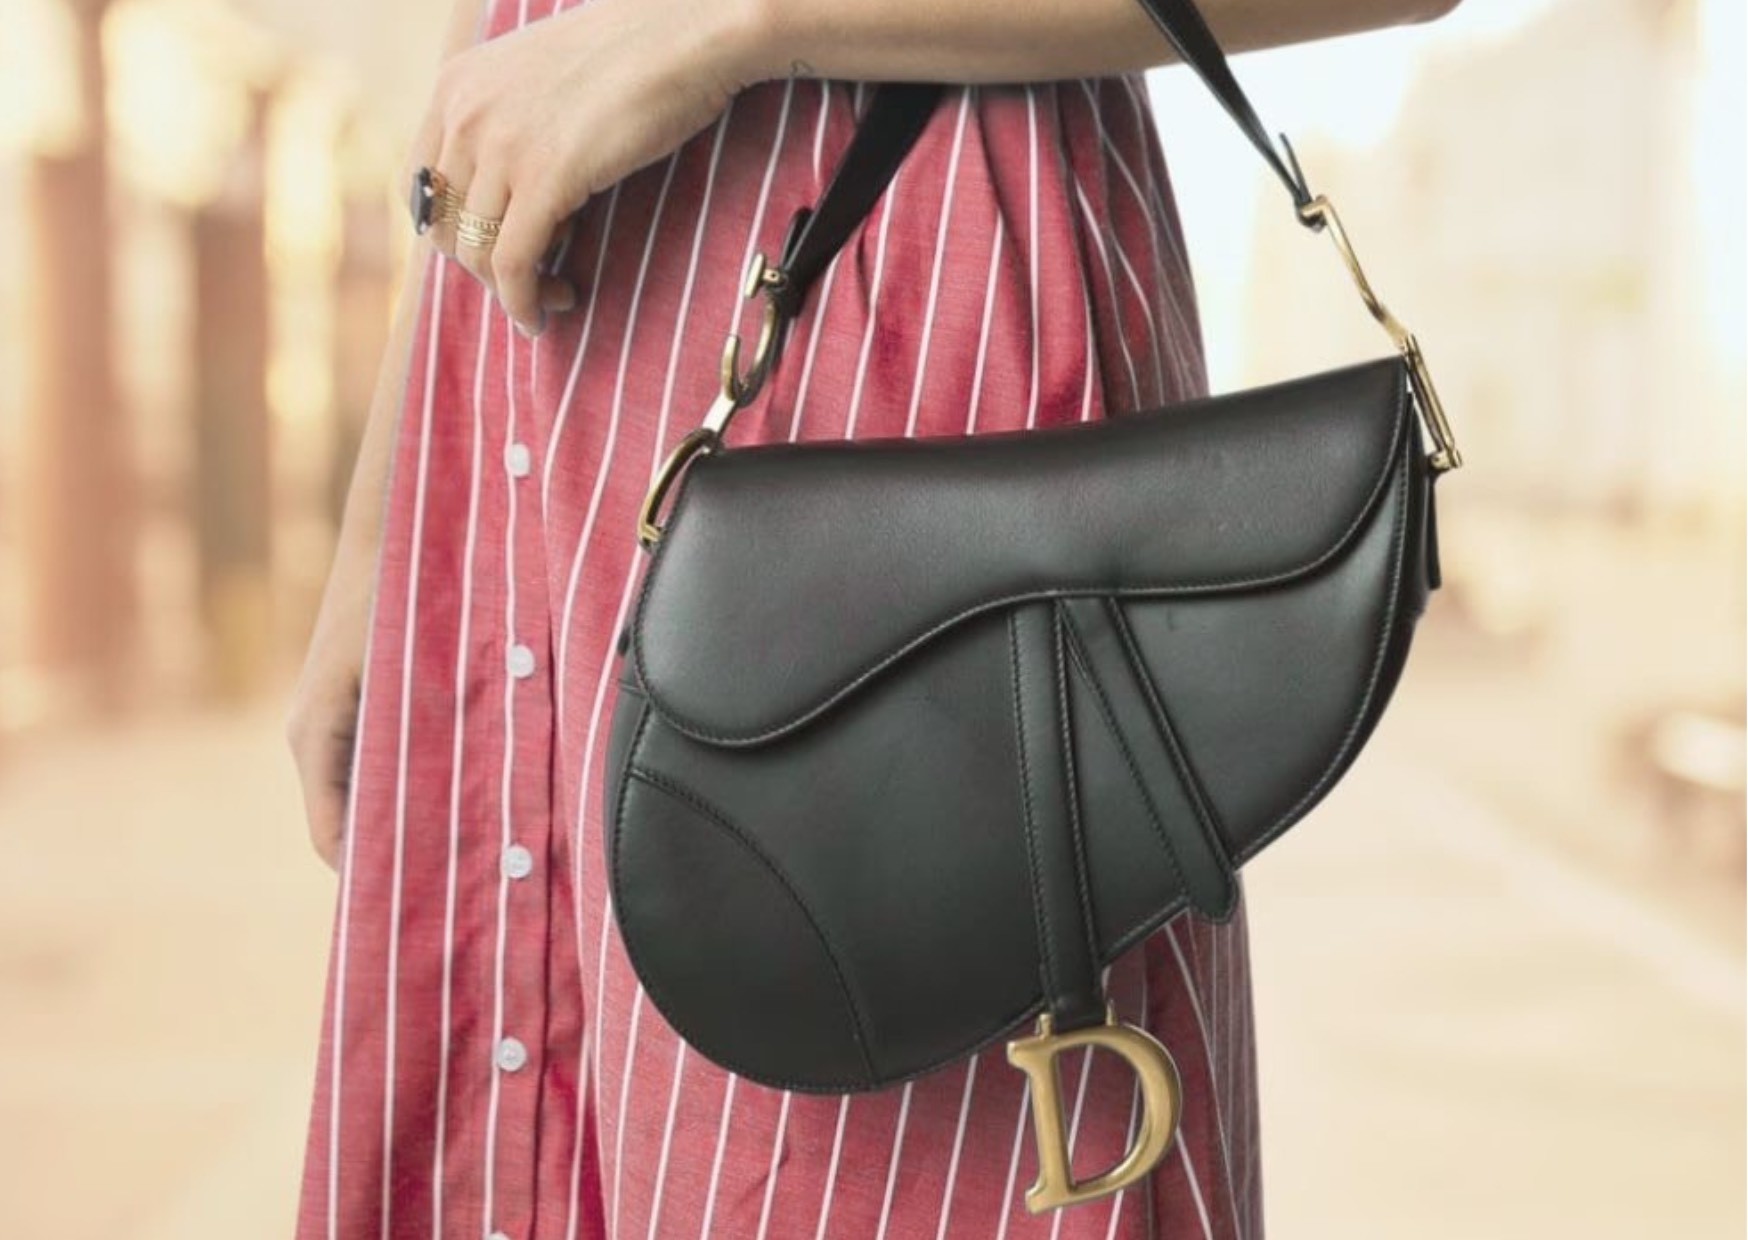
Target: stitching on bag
point(1147, 924)
point(715, 815)
point(1076, 831)
point(1386, 624)
point(1040, 910)
point(699, 731)
point(1200, 804)
point(647, 717)
point(1108, 714)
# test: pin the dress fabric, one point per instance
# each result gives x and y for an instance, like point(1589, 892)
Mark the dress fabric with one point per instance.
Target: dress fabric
point(489, 1065)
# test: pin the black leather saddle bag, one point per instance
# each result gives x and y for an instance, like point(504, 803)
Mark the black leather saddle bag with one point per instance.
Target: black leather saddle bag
point(914, 736)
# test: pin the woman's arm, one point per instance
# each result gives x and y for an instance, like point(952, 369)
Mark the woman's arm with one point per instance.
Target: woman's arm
point(534, 123)
point(322, 714)
point(360, 526)
point(1024, 40)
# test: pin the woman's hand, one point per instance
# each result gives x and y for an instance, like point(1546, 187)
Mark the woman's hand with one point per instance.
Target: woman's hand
point(322, 721)
point(530, 125)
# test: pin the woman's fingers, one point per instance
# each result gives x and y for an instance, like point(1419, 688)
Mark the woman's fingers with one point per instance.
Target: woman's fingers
point(476, 229)
point(527, 235)
point(530, 123)
point(322, 731)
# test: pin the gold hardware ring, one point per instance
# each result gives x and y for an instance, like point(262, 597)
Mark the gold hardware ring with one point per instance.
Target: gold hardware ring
point(699, 439)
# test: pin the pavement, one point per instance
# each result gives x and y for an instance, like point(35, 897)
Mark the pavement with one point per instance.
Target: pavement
point(1466, 1031)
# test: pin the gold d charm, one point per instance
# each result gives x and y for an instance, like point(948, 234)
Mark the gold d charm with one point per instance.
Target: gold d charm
point(1161, 1105)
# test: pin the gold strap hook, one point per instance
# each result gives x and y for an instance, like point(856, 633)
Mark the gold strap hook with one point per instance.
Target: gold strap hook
point(738, 388)
point(738, 385)
point(1320, 213)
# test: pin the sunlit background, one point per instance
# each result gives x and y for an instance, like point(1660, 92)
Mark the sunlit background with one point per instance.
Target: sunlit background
point(1500, 982)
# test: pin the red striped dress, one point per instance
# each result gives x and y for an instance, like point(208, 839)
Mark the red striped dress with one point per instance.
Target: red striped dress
point(489, 1065)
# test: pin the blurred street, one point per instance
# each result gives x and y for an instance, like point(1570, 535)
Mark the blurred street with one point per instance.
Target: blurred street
point(1466, 1031)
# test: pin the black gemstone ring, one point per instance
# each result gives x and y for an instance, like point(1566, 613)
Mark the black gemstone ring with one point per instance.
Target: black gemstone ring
point(433, 200)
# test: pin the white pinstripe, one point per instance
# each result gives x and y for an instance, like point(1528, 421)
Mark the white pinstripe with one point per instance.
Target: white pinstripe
point(624, 1093)
point(1157, 231)
point(655, 1208)
point(495, 1093)
point(825, 106)
point(721, 1148)
point(1008, 1207)
point(1208, 1057)
point(411, 620)
point(1032, 244)
point(887, 202)
point(583, 1075)
point(892, 1163)
point(1099, 235)
point(1160, 213)
point(570, 388)
point(831, 1174)
point(995, 251)
point(776, 1161)
point(916, 390)
point(461, 651)
point(1146, 1186)
point(958, 1145)
point(433, 288)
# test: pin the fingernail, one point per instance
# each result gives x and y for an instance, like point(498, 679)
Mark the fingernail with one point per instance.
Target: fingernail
point(528, 332)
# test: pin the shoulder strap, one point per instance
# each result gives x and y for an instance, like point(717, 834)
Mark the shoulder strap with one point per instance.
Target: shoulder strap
point(898, 112)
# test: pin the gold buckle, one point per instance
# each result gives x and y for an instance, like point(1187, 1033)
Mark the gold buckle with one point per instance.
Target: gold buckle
point(1320, 213)
point(738, 388)
point(1161, 1108)
point(699, 439)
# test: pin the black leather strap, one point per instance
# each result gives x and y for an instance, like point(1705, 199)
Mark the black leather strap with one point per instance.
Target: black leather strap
point(1182, 23)
point(898, 112)
point(890, 126)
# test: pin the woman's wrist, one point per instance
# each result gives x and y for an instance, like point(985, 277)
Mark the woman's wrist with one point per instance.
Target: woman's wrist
point(748, 40)
point(1003, 41)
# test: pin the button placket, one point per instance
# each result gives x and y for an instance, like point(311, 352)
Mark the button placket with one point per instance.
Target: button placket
point(517, 1055)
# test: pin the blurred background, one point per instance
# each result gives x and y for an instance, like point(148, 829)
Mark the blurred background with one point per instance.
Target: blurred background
point(1500, 987)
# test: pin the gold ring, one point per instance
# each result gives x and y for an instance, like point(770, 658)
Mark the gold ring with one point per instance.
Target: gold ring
point(476, 230)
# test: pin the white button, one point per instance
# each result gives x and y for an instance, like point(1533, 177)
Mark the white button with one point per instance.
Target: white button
point(511, 1054)
point(499, 1235)
point(518, 861)
point(521, 661)
point(518, 460)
